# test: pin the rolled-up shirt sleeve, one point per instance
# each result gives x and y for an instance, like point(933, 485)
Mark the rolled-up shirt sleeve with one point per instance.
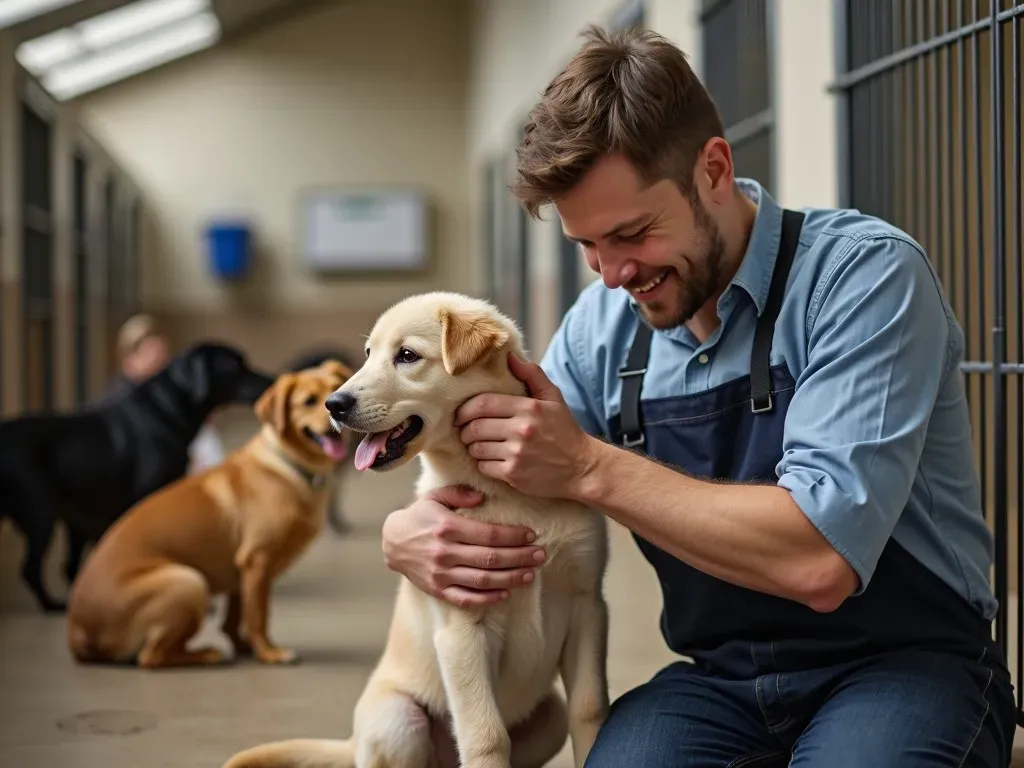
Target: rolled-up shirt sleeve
point(879, 337)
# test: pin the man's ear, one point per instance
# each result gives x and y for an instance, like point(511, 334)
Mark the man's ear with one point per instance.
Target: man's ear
point(466, 339)
point(272, 407)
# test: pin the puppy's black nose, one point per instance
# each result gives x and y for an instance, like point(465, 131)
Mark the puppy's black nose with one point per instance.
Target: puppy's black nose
point(340, 403)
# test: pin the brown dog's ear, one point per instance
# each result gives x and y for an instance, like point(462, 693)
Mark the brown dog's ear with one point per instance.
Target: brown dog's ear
point(466, 339)
point(272, 407)
point(337, 369)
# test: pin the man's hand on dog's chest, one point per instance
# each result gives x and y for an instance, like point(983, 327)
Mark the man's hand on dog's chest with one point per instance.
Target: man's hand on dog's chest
point(454, 557)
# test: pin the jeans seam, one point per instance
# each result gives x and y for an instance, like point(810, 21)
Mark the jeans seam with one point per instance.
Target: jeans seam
point(988, 708)
point(753, 758)
point(760, 703)
point(764, 714)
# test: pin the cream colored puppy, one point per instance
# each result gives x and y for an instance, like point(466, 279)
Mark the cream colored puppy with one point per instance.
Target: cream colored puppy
point(485, 670)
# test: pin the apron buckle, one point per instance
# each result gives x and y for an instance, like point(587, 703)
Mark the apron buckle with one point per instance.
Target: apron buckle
point(632, 380)
point(755, 408)
point(628, 442)
point(626, 372)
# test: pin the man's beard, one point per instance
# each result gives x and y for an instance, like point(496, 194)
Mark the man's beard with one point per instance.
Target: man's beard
point(701, 282)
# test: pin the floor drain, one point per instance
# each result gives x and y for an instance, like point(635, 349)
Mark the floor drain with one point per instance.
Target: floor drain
point(108, 722)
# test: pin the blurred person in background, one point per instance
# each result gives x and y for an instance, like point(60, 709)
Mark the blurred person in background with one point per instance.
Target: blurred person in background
point(142, 351)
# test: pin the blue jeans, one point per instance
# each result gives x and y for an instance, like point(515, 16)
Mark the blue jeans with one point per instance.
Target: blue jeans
point(907, 709)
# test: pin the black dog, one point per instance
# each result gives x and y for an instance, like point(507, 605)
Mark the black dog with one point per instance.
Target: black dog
point(88, 468)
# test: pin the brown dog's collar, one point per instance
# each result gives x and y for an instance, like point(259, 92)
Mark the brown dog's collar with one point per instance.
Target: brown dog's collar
point(313, 479)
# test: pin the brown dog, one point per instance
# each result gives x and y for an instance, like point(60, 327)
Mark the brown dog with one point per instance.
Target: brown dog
point(232, 529)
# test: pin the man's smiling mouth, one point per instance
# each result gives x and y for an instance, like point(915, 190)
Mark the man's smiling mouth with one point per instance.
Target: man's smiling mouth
point(650, 285)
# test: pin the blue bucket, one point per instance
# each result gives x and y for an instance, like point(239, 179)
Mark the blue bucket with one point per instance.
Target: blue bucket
point(229, 245)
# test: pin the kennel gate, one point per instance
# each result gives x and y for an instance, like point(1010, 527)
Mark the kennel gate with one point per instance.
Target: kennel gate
point(930, 139)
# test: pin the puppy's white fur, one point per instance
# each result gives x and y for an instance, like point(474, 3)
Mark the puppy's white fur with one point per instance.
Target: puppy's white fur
point(487, 669)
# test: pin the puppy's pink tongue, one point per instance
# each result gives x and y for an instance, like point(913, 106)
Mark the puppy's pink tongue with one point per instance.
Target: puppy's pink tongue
point(368, 450)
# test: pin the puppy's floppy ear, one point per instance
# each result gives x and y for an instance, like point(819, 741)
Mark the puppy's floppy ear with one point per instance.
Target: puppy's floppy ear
point(467, 338)
point(272, 407)
point(337, 369)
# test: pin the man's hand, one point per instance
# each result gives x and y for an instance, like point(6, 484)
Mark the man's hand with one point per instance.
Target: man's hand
point(532, 443)
point(455, 558)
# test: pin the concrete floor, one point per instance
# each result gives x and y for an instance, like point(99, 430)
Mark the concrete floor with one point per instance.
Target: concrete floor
point(333, 608)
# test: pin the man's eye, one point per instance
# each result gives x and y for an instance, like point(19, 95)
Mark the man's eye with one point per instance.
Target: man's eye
point(406, 355)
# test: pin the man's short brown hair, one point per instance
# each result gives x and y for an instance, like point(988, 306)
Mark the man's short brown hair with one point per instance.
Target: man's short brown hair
point(631, 93)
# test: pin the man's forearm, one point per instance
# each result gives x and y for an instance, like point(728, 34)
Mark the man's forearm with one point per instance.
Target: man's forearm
point(751, 535)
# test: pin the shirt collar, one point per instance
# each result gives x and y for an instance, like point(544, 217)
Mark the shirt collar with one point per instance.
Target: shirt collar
point(755, 271)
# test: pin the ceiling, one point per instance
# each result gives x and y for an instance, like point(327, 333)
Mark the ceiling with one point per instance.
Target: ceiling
point(74, 47)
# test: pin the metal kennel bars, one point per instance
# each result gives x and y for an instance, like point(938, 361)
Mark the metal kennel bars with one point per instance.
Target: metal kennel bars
point(738, 65)
point(930, 139)
point(38, 230)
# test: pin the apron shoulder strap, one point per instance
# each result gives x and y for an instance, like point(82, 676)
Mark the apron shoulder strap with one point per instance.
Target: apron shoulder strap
point(761, 350)
point(632, 373)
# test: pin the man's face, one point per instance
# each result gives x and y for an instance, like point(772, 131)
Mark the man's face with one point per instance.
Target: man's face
point(660, 245)
point(148, 358)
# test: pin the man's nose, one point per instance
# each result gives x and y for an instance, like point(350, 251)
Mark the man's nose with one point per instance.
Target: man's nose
point(618, 274)
point(340, 403)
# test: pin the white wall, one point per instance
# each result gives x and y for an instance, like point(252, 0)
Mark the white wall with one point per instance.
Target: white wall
point(353, 93)
point(805, 113)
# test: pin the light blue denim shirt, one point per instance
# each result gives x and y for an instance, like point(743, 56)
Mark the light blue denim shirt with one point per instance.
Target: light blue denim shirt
point(877, 438)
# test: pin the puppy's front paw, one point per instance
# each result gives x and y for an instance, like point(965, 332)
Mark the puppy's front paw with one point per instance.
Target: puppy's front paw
point(277, 656)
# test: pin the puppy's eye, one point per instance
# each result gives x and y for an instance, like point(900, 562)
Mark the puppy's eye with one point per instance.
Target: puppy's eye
point(406, 355)
point(310, 401)
point(366, 351)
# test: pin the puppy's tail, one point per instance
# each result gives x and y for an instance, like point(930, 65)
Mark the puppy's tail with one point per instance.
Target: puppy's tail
point(297, 753)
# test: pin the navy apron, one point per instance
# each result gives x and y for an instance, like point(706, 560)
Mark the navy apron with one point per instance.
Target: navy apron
point(734, 432)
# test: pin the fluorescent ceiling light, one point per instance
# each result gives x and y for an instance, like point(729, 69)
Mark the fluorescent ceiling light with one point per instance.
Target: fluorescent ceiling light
point(40, 54)
point(135, 19)
point(103, 31)
point(172, 42)
point(16, 11)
